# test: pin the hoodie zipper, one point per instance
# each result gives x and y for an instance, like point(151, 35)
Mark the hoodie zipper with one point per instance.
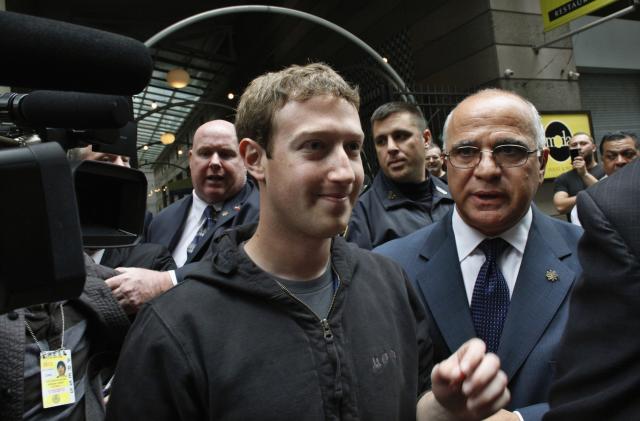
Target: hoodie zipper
point(324, 323)
point(328, 336)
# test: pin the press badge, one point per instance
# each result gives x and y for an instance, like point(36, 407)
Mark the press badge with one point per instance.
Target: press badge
point(57, 378)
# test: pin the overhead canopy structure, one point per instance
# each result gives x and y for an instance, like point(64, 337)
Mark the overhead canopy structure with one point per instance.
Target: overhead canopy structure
point(222, 55)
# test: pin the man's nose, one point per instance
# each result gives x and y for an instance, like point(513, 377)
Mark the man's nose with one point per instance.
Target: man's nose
point(620, 160)
point(487, 167)
point(342, 170)
point(392, 146)
point(215, 160)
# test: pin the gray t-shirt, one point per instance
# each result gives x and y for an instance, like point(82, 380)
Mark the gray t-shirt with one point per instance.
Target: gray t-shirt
point(317, 293)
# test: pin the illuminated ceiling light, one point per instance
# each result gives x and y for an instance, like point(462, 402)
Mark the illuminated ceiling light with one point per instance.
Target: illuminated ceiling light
point(167, 138)
point(145, 147)
point(178, 78)
point(179, 151)
point(230, 95)
point(386, 60)
point(154, 105)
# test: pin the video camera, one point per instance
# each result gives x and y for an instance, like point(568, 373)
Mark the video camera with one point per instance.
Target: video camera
point(52, 209)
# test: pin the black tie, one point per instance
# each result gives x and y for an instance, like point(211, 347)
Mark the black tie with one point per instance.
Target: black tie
point(209, 216)
point(490, 300)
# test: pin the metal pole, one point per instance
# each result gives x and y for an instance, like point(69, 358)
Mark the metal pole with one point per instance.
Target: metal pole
point(617, 14)
point(399, 83)
point(185, 169)
point(177, 104)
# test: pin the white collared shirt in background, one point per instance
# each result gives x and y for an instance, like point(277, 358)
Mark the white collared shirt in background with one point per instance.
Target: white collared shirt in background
point(97, 256)
point(194, 221)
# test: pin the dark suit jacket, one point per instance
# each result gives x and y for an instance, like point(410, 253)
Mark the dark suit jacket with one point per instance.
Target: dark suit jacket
point(148, 217)
point(166, 227)
point(144, 255)
point(598, 375)
point(538, 309)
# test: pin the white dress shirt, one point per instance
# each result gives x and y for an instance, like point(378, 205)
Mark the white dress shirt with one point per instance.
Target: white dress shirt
point(194, 221)
point(97, 255)
point(472, 258)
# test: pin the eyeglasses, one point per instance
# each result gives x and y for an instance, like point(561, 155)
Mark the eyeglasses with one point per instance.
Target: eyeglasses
point(626, 154)
point(505, 156)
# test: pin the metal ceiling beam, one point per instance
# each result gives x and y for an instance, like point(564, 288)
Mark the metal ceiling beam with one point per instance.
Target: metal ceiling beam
point(398, 82)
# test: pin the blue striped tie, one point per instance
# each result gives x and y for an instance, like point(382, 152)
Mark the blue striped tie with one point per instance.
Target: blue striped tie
point(208, 215)
point(490, 300)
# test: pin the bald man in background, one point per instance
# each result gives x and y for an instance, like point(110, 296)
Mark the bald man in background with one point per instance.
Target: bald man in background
point(222, 198)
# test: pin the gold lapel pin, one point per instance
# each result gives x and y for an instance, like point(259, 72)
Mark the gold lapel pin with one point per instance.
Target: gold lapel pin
point(551, 275)
point(225, 213)
point(236, 208)
point(391, 195)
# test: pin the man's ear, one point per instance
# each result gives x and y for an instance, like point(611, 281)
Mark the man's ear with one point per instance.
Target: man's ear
point(543, 159)
point(252, 154)
point(426, 135)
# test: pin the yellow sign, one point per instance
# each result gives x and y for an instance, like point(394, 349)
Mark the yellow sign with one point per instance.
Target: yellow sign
point(558, 129)
point(558, 12)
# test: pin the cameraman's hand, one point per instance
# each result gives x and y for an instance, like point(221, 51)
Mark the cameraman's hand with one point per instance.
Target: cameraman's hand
point(579, 165)
point(135, 286)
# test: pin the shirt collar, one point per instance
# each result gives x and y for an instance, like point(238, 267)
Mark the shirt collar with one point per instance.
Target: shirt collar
point(97, 255)
point(198, 205)
point(468, 238)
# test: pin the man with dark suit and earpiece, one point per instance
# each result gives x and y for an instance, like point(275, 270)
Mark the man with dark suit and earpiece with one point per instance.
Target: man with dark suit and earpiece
point(222, 198)
point(219, 184)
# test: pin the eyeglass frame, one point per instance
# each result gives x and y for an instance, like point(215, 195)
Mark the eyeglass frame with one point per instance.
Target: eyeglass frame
point(607, 156)
point(492, 151)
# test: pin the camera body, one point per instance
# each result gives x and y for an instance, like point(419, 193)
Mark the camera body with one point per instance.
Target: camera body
point(50, 211)
point(574, 153)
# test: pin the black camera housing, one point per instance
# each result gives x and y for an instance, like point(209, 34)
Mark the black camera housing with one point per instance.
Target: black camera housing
point(111, 203)
point(40, 246)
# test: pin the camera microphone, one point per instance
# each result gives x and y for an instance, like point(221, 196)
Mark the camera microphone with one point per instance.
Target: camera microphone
point(41, 53)
point(74, 110)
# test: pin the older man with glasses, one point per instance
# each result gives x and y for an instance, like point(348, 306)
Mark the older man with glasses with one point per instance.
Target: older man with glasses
point(496, 267)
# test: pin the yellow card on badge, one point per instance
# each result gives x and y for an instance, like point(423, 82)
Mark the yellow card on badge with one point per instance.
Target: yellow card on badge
point(57, 378)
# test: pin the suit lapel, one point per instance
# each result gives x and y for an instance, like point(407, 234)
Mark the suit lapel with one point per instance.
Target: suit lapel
point(535, 299)
point(109, 258)
point(439, 279)
point(182, 212)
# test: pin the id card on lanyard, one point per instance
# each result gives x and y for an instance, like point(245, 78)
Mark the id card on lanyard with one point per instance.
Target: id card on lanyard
point(56, 373)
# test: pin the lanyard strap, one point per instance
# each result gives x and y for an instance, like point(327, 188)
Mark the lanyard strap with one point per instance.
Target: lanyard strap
point(35, 339)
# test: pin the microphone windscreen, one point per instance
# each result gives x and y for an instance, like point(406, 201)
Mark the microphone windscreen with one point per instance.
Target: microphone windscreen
point(74, 110)
point(47, 54)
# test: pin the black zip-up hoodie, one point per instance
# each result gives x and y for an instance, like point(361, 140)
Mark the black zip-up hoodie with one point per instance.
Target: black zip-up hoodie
point(231, 343)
